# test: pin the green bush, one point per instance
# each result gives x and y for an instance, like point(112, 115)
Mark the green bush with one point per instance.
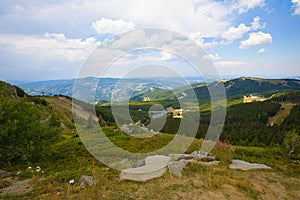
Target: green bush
point(26, 131)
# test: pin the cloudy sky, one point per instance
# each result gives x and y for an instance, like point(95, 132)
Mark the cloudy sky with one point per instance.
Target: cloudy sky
point(51, 39)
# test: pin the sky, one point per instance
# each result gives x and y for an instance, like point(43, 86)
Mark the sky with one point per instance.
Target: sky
point(51, 39)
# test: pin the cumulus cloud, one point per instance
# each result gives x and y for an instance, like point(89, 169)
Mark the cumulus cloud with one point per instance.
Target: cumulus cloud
point(296, 6)
point(210, 17)
point(69, 22)
point(256, 39)
point(243, 6)
point(50, 45)
point(211, 57)
point(261, 51)
point(234, 33)
point(105, 25)
point(256, 24)
point(198, 39)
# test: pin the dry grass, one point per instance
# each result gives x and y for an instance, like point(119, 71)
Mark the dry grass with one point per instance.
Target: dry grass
point(198, 182)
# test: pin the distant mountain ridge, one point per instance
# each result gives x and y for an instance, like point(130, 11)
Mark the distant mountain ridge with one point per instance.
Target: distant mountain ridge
point(105, 86)
point(235, 88)
point(162, 88)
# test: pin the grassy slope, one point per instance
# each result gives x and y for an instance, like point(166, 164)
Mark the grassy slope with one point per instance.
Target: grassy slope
point(69, 160)
point(281, 114)
point(198, 182)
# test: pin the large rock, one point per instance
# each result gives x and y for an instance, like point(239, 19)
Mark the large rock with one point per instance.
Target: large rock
point(86, 180)
point(5, 174)
point(155, 166)
point(176, 167)
point(243, 165)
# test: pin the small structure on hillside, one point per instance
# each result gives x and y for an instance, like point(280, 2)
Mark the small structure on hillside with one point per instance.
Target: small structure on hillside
point(252, 98)
point(146, 99)
point(177, 113)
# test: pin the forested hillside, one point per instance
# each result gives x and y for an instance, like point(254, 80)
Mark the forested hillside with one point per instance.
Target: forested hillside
point(235, 89)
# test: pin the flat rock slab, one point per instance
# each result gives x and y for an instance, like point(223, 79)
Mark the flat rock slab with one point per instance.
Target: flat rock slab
point(155, 166)
point(17, 188)
point(243, 165)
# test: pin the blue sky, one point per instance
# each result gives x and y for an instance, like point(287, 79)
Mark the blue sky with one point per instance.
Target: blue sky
point(41, 40)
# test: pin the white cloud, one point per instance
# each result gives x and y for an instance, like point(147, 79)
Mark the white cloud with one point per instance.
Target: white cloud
point(234, 33)
point(105, 25)
point(51, 46)
point(256, 24)
point(261, 51)
point(210, 17)
point(165, 55)
point(296, 6)
point(243, 6)
point(198, 39)
point(256, 39)
point(211, 57)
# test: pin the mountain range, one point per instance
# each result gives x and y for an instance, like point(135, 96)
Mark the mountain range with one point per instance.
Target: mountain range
point(156, 89)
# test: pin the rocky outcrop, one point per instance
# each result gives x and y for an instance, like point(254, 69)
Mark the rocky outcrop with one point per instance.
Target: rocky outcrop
point(156, 166)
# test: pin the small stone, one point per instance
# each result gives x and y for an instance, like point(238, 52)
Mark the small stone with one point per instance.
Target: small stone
point(86, 180)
